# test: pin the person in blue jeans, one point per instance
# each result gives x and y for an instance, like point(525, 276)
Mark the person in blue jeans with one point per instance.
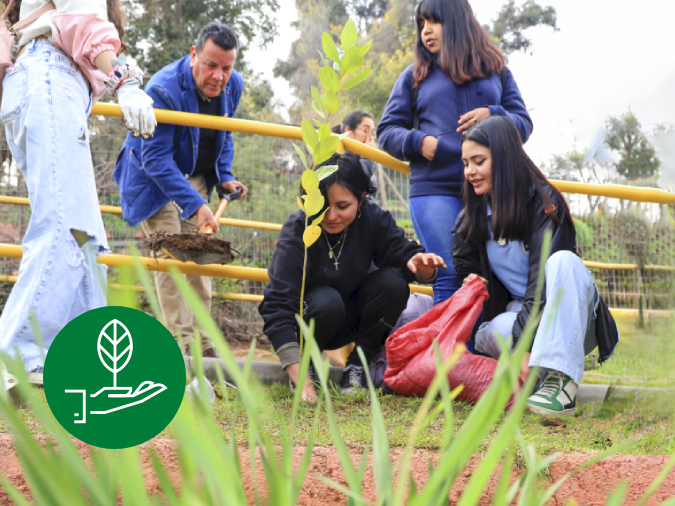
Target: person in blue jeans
point(67, 60)
point(509, 205)
point(459, 78)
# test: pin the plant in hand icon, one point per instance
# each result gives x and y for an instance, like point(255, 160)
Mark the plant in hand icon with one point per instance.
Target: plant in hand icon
point(114, 377)
point(115, 337)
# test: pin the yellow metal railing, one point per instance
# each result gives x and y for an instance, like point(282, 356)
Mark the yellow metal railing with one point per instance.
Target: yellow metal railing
point(291, 132)
point(23, 201)
point(277, 227)
point(164, 265)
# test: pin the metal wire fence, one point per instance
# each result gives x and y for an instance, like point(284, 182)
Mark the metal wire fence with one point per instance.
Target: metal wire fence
point(609, 231)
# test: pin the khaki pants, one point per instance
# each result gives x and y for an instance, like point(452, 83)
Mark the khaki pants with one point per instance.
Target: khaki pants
point(178, 317)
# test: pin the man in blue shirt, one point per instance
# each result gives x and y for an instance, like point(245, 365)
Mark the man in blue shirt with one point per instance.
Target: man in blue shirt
point(166, 181)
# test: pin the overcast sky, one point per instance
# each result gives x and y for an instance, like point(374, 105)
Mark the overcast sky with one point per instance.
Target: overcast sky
point(607, 56)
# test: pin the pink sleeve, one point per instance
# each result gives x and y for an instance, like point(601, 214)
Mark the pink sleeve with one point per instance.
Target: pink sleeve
point(85, 37)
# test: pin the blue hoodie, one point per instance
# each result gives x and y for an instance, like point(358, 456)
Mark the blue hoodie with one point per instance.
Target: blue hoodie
point(152, 172)
point(440, 103)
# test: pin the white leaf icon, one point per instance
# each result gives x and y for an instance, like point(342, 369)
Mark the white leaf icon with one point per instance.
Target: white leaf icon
point(115, 347)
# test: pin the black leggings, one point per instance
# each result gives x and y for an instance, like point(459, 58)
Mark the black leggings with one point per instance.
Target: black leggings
point(366, 317)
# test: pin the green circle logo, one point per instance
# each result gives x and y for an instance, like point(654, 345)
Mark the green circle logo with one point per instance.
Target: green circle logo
point(114, 377)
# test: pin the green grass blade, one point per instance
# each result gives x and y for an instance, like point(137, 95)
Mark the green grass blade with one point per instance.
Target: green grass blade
point(382, 472)
point(146, 283)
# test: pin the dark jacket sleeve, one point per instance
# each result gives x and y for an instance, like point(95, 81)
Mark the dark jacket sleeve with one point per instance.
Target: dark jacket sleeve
point(282, 294)
point(393, 248)
point(394, 133)
point(563, 238)
point(465, 256)
point(157, 159)
point(513, 107)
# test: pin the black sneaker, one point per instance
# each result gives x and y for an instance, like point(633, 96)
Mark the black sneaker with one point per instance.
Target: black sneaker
point(353, 379)
point(312, 377)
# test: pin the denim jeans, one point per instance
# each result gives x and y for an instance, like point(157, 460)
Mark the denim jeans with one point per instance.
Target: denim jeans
point(45, 106)
point(566, 333)
point(433, 217)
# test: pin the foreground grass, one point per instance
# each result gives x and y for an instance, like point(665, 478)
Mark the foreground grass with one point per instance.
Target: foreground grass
point(642, 424)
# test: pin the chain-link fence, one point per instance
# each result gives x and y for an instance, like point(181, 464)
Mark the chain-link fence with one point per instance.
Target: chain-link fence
point(609, 231)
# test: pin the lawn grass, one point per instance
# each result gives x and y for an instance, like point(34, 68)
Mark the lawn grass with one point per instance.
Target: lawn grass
point(641, 425)
point(643, 357)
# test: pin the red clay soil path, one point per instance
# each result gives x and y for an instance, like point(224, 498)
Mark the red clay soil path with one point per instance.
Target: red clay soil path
point(589, 487)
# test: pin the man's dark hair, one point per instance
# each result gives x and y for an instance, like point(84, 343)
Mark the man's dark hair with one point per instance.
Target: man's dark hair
point(221, 35)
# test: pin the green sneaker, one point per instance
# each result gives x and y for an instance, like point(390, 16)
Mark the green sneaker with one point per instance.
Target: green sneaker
point(557, 396)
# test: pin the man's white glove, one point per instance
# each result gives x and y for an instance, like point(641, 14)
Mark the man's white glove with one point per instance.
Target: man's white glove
point(136, 106)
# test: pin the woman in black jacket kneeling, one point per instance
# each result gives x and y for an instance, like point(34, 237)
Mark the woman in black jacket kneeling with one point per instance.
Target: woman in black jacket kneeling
point(508, 206)
point(348, 303)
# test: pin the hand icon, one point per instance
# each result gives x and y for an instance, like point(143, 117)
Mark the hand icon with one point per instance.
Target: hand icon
point(110, 399)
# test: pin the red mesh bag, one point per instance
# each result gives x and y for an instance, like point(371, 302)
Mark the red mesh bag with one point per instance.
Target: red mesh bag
point(410, 352)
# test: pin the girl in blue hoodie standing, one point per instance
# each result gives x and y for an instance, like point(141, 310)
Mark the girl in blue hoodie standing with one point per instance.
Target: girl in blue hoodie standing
point(459, 78)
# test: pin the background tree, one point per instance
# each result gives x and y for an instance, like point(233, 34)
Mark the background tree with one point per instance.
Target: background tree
point(512, 21)
point(301, 69)
point(162, 31)
point(585, 167)
point(637, 156)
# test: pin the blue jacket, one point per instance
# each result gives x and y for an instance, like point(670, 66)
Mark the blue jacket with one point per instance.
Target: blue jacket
point(440, 103)
point(155, 171)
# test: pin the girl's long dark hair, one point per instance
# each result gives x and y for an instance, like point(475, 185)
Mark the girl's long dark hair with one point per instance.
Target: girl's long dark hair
point(466, 53)
point(115, 15)
point(513, 174)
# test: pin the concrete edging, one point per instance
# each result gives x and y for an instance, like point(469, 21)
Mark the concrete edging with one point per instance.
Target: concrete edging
point(271, 372)
point(266, 372)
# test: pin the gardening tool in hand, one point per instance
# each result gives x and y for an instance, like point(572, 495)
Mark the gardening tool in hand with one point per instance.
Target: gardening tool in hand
point(225, 199)
point(200, 248)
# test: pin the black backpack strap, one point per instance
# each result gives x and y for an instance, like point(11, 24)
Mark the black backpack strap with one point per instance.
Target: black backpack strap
point(414, 91)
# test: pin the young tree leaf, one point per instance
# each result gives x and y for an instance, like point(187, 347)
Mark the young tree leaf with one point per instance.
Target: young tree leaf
point(300, 154)
point(316, 95)
point(324, 131)
point(314, 202)
point(310, 235)
point(358, 78)
point(317, 109)
point(329, 47)
point(325, 170)
point(329, 79)
point(309, 134)
point(349, 35)
point(330, 102)
point(115, 347)
point(326, 149)
point(310, 181)
point(367, 47)
point(352, 60)
point(323, 59)
point(319, 218)
point(299, 201)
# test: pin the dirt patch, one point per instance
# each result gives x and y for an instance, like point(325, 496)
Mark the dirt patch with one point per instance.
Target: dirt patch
point(199, 248)
point(589, 487)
